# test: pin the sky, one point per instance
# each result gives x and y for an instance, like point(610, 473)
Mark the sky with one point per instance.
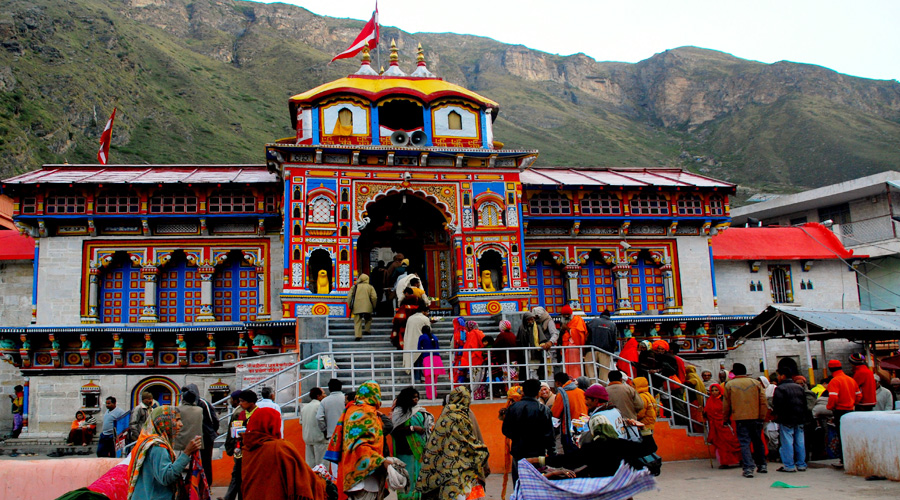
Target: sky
point(859, 38)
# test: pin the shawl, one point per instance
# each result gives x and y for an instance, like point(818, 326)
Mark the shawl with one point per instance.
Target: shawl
point(577, 332)
point(455, 459)
point(694, 380)
point(159, 430)
point(474, 340)
point(358, 441)
point(629, 357)
point(76, 424)
point(113, 484)
point(272, 468)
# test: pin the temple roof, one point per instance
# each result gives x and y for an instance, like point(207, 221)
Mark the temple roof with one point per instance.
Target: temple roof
point(809, 241)
point(146, 174)
point(616, 177)
point(14, 246)
point(376, 87)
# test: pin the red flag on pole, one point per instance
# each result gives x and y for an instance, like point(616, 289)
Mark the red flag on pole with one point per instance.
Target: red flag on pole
point(105, 138)
point(367, 37)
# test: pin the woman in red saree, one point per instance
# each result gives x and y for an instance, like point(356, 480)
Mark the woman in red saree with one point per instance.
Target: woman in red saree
point(721, 433)
point(629, 353)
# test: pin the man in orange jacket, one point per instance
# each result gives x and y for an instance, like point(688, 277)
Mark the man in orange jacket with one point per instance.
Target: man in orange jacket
point(864, 377)
point(843, 396)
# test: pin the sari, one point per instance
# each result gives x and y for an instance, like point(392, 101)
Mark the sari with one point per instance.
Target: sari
point(574, 336)
point(721, 436)
point(456, 461)
point(357, 445)
point(459, 340)
point(415, 442)
point(629, 353)
point(159, 430)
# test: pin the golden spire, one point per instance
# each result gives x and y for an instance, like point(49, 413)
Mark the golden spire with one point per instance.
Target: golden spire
point(421, 68)
point(394, 53)
point(420, 56)
point(394, 68)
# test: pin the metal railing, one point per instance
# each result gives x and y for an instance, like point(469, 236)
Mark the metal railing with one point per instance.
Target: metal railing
point(488, 373)
point(870, 230)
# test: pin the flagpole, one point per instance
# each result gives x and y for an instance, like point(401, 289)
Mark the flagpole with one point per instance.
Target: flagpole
point(378, 40)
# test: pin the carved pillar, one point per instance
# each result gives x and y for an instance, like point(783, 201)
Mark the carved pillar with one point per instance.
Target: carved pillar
point(149, 312)
point(93, 312)
point(206, 293)
point(573, 271)
point(669, 288)
point(622, 272)
point(262, 298)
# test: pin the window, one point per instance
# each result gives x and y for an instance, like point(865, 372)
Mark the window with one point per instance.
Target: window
point(649, 204)
point(61, 204)
point(690, 205)
point(646, 287)
point(716, 205)
point(547, 286)
point(321, 210)
point(178, 202)
point(780, 283)
point(235, 290)
point(796, 221)
point(596, 287)
point(118, 203)
point(29, 205)
point(231, 201)
point(489, 214)
point(271, 204)
point(601, 204)
point(454, 121)
point(550, 204)
point(121, 293)
point(839, 214)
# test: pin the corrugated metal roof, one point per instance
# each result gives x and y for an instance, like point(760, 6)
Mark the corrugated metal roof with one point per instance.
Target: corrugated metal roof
point(796, 322)
point(146, 174)
point(625, 177)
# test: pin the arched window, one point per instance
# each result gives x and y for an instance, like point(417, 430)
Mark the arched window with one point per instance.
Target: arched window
point(121, 292)
point(235, 290)
point(117, 202)
point(179, 291)
point(454, 121)
point(489, 215)
point(649, 204)
point(601, 204)
point(716, 205)
point(321, 210)
point(690, 205)
point(549, 203)
point(298, 193)
point(173, 202)
point(547, 284)
point(64, 204)
point(231, 201)
point(646, 287)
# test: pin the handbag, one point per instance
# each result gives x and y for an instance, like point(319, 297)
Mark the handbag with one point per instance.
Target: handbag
point(397, 476)
point(652, 461)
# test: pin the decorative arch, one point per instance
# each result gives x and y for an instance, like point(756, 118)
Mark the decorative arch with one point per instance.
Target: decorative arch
point(148, 383)
point(321, 207)
point(442, 197)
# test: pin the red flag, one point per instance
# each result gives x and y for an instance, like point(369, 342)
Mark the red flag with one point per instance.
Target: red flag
point(105, 138)
point(367, 37)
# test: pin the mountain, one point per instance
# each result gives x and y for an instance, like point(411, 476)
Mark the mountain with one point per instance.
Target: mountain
point(207, 81)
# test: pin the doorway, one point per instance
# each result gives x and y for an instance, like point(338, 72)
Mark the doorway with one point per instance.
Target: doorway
point(164, 391)
point(407, 224)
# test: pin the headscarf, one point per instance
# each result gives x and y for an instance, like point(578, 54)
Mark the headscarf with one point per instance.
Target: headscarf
point(359, 446)
point(159, 430)
point(714, 409)
point(629, 357)
point(471, 325)
point(505, 326)
point(454, 456)
point(514, 395)
point(265, 421)
point(647, 345)
point(694, 380)
point(660, 343)
point(765, 381)
point(601, 428)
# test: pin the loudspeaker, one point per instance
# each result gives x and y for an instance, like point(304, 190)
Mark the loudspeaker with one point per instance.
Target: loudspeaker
point(400, 138)
point(418, 138)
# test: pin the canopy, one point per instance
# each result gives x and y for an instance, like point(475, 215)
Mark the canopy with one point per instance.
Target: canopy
point(819, 324)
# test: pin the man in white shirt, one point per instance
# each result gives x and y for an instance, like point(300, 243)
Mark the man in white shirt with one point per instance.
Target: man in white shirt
point(312, 434)
point(268, 401)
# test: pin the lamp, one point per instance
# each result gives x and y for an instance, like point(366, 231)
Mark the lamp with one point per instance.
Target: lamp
point(625, 245)
point(827, 222)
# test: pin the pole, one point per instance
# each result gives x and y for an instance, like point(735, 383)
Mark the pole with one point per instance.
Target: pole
point(812, 373)
point(765, 361)
point(824, 362)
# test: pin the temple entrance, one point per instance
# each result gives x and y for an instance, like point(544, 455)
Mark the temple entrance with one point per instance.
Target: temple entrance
point(164, 391)
point(406, 224)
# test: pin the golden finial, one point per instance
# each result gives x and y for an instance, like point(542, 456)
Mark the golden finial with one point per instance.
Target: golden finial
point(366, 58)
point(394, 56)
point(420, 55)
point(382, 71)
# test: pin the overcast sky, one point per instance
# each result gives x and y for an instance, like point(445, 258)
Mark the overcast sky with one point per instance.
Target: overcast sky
point(860, 37)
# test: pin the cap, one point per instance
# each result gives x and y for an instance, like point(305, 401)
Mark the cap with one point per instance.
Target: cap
point(566, 310)
point(857, 359)
point(597, 391)
point(248, 396)
point(833, 363)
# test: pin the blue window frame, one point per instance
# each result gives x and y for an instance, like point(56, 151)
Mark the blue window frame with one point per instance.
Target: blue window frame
point(179, 292)
point(235, 292)
point(547, 286)
point(597, 288)
point(121, 294)
point(645, 284)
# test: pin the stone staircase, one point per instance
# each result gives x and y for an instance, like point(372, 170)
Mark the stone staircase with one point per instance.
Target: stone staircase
point(43, 444)
point(378, 365)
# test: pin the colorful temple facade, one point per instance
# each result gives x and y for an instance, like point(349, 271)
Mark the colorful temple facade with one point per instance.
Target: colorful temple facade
point(148, 269)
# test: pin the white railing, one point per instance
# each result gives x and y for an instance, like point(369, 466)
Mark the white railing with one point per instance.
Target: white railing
point(869, 230)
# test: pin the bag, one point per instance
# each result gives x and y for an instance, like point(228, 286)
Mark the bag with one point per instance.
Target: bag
point(652, 462)
point(352, 298)
point(397, 477)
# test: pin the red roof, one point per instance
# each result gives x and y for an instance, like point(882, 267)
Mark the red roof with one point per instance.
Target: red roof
point(145, 174)
point(622, 176)
point(809, 241)
point(14, 246)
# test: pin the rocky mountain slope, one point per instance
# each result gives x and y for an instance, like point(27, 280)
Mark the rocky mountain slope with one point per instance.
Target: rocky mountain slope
point(206, 81)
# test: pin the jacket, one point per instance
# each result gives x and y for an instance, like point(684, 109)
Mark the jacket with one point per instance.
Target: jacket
point(647, 414)
point(843, 392)
point(312, 434)
point(864, 377)
point(744, 399)
point(210, 418)
point(626, 399)
point(138, 416)
point(525, 335)
point(529, 426)
point(789, 404)
point(602, 333)
point(329, 412)
point(365, 296)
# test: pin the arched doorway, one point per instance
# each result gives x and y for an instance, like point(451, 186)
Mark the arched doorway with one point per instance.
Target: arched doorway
point(405, 223)
point(164, 391)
